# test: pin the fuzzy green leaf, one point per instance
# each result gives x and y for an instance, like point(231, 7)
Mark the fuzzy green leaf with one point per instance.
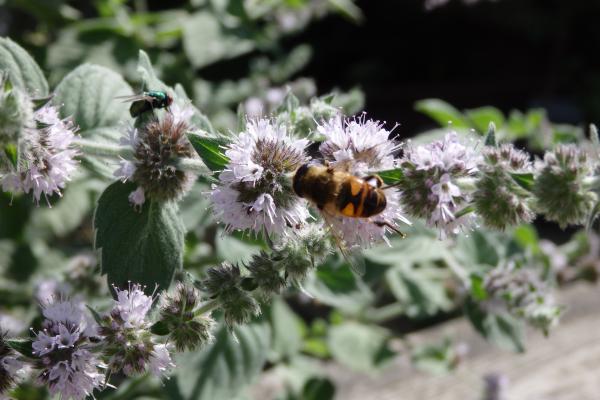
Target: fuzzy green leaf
point(205, 41)
point(210, 151)
point(482, 117)
point(442, 112)
point(318, 388)
point(490, 137)
point(526, 180)
point(143, 246)
point(149, 79)
point(23, 346)
point(287, 338)
point(223, 369)
point(501, 329)
point(95, 314)
point(22, 69)
point(88, 95)
point(361, 347)
point(391, 176)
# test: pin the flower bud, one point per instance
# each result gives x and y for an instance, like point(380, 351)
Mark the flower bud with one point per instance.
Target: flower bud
point(160, 143)
point(559, 190)
point(266, 274)
point(11, 367)
point(187, 330)
point(16, 112)
point(521, 292)
point(499, 200)
point(223, 283)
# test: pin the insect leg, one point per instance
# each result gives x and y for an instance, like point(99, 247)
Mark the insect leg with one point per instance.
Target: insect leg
point(381, 224)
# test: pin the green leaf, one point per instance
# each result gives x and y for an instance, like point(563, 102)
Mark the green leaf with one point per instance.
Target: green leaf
point(318, 389)
point(501, 329)
point(478, 290)
point(143, 246)
point(482, 117)
point(287, 338)
point(223, 369)
point(339, 287)
point(205, 41)
point(359, 346)
point(490, 137)
point(420, 289)
point(160, 328)
point(65, 215)
point(210, 151)
point(391, 176)
point(88, 95)
point(198, 119)
point(525, 180)
point(442, 112)
point(23, 346)
point(435, 358)
point(22, 69)
point(149, 79)
point(95, 314)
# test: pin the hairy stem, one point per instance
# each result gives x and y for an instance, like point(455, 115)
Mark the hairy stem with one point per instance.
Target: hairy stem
point(98, 149)
point(207, 307)
point(192, 165)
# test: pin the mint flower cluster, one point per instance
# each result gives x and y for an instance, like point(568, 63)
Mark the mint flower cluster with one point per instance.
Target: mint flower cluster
point(77, 350)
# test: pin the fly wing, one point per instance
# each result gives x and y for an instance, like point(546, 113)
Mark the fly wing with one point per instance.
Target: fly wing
point(135, 97)
point(352, 255)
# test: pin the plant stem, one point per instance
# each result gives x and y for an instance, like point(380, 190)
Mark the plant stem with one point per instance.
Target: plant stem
point(98, 149)
point(466, 183)
point(206, 307)
point(592, 182)
point(192, 165)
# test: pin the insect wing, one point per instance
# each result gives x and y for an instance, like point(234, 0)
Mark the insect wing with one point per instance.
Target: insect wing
point(351, 255)
point(135, 97)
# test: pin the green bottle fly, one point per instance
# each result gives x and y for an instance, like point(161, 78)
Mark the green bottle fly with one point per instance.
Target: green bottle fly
point(147, 101)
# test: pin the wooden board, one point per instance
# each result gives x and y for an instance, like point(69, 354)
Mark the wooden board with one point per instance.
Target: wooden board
point(565, 366)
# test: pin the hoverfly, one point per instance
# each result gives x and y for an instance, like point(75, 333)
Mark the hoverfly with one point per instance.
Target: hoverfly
point(338, 193)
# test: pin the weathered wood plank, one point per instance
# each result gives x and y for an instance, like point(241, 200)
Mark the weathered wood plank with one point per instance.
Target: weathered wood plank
point(565, 366)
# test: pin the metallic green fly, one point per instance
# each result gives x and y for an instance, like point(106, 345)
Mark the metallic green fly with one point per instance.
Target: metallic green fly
point(147, 101)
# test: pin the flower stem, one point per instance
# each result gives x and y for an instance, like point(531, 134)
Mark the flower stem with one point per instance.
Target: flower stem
point(103, 149)
point(466, 183)
point(207, 307)
point(592, 182)
point(192, 165)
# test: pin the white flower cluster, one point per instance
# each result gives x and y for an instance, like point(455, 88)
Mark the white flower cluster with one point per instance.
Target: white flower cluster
point(68, 365)
point(253, 192)
point(129, 342)
point(47, 157)
point(361, 147)
point(153, 146)
point(430, 189)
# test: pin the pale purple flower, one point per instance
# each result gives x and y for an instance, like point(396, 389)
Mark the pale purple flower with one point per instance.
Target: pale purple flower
point(47, 157)
point(132, 306)
point(362, 147)
point(430, 187)
point(68, 366)
point(137, 198)
point(127, 336)
point(182, 113)
point(125, 171)
point(160, 364)
point(254, 190)
point(48, 290)
point(254, 107)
